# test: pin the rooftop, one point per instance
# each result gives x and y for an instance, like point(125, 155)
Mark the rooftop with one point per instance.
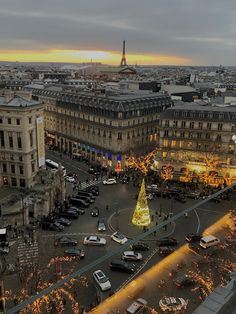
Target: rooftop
point(17, 102)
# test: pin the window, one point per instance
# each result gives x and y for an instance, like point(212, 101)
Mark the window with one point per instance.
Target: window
point(2, 142)
point(12, 168)
point(166, 132)
point(175, 123)
point(4, 168)
point(119, 137)
point(9, 120)
point(220, 125)
point(1, 120)
point(31, 138)
point(22, 183)
point(167, 123)
point(13, 182)
point(32, 156)
point(209, 126)
point(183, 124)
point(19, 141)
point(191, 125)
point(10, 138)
point(21, 169)
point(200, 125)
point(20, 158)
point(207, 136)
point(18, 121)
point(30, 120)
point(33, 167)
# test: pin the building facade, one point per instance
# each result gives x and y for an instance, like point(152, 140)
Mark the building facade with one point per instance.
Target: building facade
point(198, 138)
point(103, 128)
point(21, 140)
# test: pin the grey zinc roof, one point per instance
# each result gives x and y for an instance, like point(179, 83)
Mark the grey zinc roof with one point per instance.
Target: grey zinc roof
point(18, 102)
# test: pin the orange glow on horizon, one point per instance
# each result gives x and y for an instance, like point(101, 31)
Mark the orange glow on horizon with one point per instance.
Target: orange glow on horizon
point(79, 56)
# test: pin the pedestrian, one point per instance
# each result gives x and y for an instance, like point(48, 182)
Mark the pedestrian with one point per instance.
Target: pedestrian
point(107, 208)
point(186, 215)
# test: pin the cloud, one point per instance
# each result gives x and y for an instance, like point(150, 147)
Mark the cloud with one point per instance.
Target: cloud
point(201, 31)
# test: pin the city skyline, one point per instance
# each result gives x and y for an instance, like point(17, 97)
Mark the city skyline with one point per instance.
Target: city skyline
point(157, 32)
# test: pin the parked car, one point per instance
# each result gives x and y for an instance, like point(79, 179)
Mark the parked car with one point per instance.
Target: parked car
point(193, 237)
point(131, 256)
point(101, 225)
point(165, 250)
point(109, 181)
point(79, 202)
point(136, 307)
point(85, 198)
point(125, 179)
point(58, 227)
point(193, 194)
point(184, 281)
point(150, 196)
point(91, 189)
point(119, 238)
point(74, 252)
point(70, 214)
point(94, 240)
point(63, 221)
point(139, 246)
point(172, 304)
point(122, 266)
point(167, 241)
point(77, 210)
point(94, 212)
point(66, 241)
point(152, 188)
point(102, 280)
point(180, 198)
point(209, 241)
point(86, 193)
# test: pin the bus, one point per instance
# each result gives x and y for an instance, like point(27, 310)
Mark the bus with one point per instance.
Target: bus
point(52, 164)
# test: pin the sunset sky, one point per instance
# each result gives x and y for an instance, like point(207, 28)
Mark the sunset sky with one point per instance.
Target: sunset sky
point(187, 32)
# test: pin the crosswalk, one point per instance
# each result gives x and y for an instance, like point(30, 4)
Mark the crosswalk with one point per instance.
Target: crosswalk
point(27, 253)
point(85, 184)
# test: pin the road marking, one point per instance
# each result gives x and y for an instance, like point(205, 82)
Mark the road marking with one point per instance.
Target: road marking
point(75, 234)
point(198, 219)
point(208, 210)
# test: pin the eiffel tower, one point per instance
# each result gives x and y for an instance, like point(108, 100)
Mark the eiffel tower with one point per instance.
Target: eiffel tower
point(123, 59)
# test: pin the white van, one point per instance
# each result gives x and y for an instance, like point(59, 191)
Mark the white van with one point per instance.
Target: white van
point(208, 241)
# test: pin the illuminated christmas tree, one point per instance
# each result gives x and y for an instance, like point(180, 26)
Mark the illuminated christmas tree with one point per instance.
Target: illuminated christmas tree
point(141, 216)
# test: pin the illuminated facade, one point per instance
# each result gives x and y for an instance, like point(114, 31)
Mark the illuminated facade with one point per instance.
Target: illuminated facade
point(197, 141)
point(103, 128)
point(141, 215)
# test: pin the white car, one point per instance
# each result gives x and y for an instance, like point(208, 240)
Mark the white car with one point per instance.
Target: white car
point(150, 196)
point(132, 256)
point(70, 179)
point(102, 280)
point(172, 304)
point(109, 181)
point(94, 240)
point(119, 238)
point(137, 306)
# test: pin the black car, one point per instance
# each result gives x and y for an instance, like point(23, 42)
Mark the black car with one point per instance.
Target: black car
point(75, 252)
point(70, 215)
point(63, 221)
point(66, 241)
point(94, 212)
point(91, 189)
point(167, 242)
point(85, 198)
point(119, 265)
point(180, 198)
point(184, 281)
point(125, 179)
point(79, 211)
point(79, 202)
point(193, 237)
point(165, 250)
point(166, 194)
point(139, 246)
point(86, 193)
